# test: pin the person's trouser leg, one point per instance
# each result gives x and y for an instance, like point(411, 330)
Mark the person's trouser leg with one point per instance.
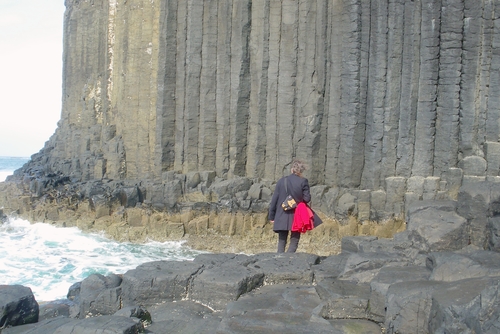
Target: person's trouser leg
point(294, 242)
point(282, 239)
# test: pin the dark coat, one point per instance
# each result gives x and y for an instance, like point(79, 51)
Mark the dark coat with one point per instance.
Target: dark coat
point(298, 187)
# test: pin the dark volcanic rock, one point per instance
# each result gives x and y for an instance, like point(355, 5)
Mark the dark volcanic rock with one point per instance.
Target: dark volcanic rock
point(216, 286)
point(275, 309)
point(138, 312)
point(98, 295)
point(55, 309)
point(470, 305)
point(47, 326)
point(386, 277)
point(62, 325)
point(344, 299)
point(408, 306)
point(158, 281)
point(438, 224)
point(455, 266)
point(371, 286)
point(17, 306)
point(285, 268)
point(183, 317)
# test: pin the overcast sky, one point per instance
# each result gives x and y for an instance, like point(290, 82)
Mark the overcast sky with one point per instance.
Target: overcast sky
point(31, 74)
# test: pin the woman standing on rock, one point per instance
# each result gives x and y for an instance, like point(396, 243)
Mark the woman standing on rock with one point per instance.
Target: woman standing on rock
point(298, 187)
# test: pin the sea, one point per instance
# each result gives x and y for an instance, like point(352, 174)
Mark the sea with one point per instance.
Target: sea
point(50, 259)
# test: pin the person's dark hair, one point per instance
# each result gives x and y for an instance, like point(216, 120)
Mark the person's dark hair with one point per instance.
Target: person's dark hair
point(298, 167)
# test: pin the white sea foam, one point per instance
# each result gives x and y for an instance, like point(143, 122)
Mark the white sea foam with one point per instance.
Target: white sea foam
point(4, 174)
point(50, 259)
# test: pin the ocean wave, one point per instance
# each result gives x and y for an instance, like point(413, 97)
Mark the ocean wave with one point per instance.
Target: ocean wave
point(50, 259)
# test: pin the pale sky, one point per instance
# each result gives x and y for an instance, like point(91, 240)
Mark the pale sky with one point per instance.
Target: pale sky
point(31, 74)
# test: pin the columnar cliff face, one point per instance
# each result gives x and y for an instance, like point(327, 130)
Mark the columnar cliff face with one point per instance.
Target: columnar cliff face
point(396, 97)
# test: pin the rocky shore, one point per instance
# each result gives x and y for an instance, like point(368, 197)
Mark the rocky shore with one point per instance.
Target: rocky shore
point(210, 213)
point(436, 271)
point(427, 279)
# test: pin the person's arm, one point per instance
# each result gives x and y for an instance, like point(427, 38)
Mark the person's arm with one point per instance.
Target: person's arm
point(306, 193)
point(274, 204)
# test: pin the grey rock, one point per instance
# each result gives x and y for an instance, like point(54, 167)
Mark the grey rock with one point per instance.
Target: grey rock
point(266, 194)
point(178, 326)
point(355, 326)
point(172, 193)
point(401, 245)
point(455, 266)
point(210, 260)
point(346, 205)
point(473, 165)
point(234, 293)
point(352, 244)
point(192, 180)
point(363, 267)
point(476, 201)
point(440, 229)
point(183, 317)
point(181, 310)
point(100, 204)
point(99, 295)
point(494, 234)
point(274, 308)
point(285, 268)
point(216, 286)
point(17, 306)
point(208, 177)
point(492, 156)
point(395, 189)
point(55, 309)
point(138, 312)
point(157, 281)
point(415, 184)
point(74, 291)
point(466, 306)
point(255, 191)
point(384, 279)
point(330, 267)
point(446, 206)
point(431, 187)
point(330, 200)
point(378, 204)
point(129, 196)
point(344, 299)
point(106, 324)
point(230, 186)
point(408, 306)
point(47, 326)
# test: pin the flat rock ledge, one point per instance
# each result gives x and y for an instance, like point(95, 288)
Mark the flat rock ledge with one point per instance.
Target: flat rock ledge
point(427, 279)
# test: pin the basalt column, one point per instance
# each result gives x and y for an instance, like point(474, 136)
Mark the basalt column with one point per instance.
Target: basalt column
point(370, 94)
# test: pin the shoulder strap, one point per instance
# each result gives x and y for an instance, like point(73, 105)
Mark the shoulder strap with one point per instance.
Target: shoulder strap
point(286, 189)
